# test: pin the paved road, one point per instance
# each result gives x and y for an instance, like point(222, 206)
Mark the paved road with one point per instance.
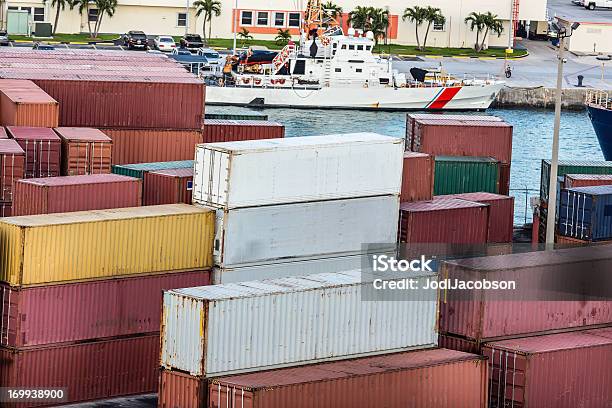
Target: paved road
point(576, 13)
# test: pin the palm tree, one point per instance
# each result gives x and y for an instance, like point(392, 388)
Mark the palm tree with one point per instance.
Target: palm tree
point(433, 15)
point(283, 37)
point(208, 8)
point(104, 7)
point(60, 5)
point(333, 10)
point(484, 21)
point(379, 23)
point(416, 15)
point(360, 18)
point(84, 7)
point(245, 36)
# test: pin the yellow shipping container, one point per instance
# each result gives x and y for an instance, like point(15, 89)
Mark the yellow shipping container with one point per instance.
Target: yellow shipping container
point(89, 245)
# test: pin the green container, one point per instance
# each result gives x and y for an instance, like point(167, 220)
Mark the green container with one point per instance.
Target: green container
point(571, 167)
point(139, 170)
point(456, 175)
point(227, 116)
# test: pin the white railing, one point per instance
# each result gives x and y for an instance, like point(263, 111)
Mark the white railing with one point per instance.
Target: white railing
point(282, 57)
point(599, 98)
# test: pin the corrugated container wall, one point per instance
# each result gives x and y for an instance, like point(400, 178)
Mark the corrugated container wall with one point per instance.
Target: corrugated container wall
point(88, 371)
point(12, 167)
point(129, 241)
point(88, 310)
point(212, 331)
point(153, 145)
point(178, 390)
point(297, 169)
point(6, 209)
point(586, 213)
point(43, 150)
point(456, 175)
point(444, 221)
point(586, 180)
point(230, 116)
point(168, 186)
point(218, 130)
point(23, 103)
point(417, 177)
point(564, 370)
point(418, 379)
point(76, 193)
point(85, 151)
point(571, 167)
point(139, 170)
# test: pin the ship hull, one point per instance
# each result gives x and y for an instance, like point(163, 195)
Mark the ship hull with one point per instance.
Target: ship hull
point(601, 119)
point(459, 98)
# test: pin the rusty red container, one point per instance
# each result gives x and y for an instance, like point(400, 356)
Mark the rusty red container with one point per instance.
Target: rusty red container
point(444, 221)
point(501, 213)
point(420, 379)
point(565, 370)
point(12, 167)
point(586, 180)
point(76, 193)
point(88, 371)
point(179, 390)
point(23, 103)
point(219, 130)
point(6, 209)
point(504, 178)
point(417, 177)
point(89, 310)
point(42, 150)
point(452, 137)
point(3, 134)
point(530, 308)
point(85, 151)
point(132, 146)
point(171, 186)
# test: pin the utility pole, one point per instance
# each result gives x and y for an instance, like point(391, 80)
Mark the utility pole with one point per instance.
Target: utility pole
point(187, 17)
point(235, 26)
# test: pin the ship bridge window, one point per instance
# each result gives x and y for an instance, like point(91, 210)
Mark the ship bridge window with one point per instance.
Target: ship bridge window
point(358, 70)
point(351, 47)
point(344, 46)
point(335, 45)
point(368, 47)
point(338, 70)
point(360, 48)
point(356, 61)
point(384, 81)
point(300, 67)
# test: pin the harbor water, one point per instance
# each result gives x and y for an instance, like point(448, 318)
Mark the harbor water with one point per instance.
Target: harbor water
point(532, 141)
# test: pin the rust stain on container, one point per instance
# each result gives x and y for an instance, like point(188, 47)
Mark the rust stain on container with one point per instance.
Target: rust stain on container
point(85, 151)
point(221, 130)
point(12, 167)
point(417, 177)
point(179, 390)
point(23, 103)
point(76, 193)
point(132, 146)
point(168, 186)
point(42, 150)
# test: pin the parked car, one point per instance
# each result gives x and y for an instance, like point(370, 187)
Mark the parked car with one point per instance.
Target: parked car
point(213, 57)
point(135, 39)
point(4, 40)
point(192, 42)
point(43, 47)
point(164, 43)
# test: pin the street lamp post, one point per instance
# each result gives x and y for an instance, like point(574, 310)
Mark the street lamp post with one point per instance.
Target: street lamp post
point(187, 17)
point(562, 33)
point(235, 26)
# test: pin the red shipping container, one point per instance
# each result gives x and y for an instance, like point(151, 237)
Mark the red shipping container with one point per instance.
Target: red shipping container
point(417, 177)
point(530, 308)
point(171, 186)
point(76, 193)
point(12, 167)
point(464, 138)
point(42, 150)
point(6, 209)
point(219, 130)
point(23, 103)
point(443, 221)
point(85, 151)
point(565, 370)
point(3, 134)
point(420, 379)
point(87, 371)
point(179, 390)
point(501, 214)
point(586, 180)
point(132, 146)
point(504, 179)
point(89, 310)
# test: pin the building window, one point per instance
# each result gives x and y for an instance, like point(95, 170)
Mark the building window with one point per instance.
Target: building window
point(39, 14)
point(368, 47)
point(181, 19)
point(294, 19)
point(93, 15)
point(279, 19)
point(351, 47)
point(360, 48)
point(246, 18)
point(439, 27)
point(13, 8)
point(262, 18)
point(344, 46)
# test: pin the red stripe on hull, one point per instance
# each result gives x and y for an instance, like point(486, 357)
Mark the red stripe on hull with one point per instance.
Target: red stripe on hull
point(444, 98)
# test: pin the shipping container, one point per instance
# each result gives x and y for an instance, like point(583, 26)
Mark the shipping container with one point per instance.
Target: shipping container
point(12, 167)
point(178, 390)
point(530, 308)
point(571, 167)
point(43, 150)
point(224, 130)
point(88, 310)
point(444, 221)
point(281, 233)
point(153, 145)
point(85, 151)
point(586, 180)
point(297, 169)
point(86, 371)
point(230, 116)
point(213, 331)
point(456, 175)
point(504, 178)
point(586, 213)
point(565, 370)
point(418, 379)
point(501, 214)
point(3, 134)
point(23, 103)
point(452, 137)
point(168, 186)
point(104, 244)
point(139, 170)
point(417, 177)
point(6, 209)
point(76, 193)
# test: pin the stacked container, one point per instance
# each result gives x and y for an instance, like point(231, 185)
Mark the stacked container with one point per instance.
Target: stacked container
point(85, 151)
point(456, 175)
point(81, 292)
point(12, 168)
point(225, 130)
point(417, 177)
point(23, 103)
point(169, 186)
point(585, 213)
point(42, 148)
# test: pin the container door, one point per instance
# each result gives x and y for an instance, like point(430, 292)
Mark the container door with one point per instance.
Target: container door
point(210, 178)
point(222, 396)
point(507, 378)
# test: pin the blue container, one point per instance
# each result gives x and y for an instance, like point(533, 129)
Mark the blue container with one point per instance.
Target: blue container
point(586, 213)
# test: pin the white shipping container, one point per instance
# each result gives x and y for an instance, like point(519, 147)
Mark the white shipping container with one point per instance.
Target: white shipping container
point(298, 169)
point(259, 325)
point(278, 233)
